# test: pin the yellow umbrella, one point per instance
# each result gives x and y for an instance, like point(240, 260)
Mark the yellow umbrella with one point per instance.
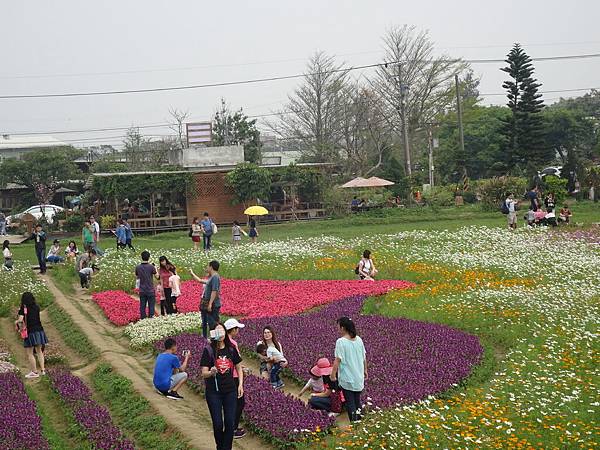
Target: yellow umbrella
point(256, 211)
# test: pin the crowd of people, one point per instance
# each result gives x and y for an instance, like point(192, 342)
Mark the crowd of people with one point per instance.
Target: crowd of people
point(206, 229)
point(538, 214)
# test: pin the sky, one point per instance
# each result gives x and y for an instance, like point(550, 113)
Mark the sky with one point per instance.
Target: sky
point(72, 46)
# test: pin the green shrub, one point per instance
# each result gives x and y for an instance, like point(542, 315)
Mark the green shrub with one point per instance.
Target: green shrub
point(558, 186)
point(438, 196)
point(492, 191)
point(74, 223)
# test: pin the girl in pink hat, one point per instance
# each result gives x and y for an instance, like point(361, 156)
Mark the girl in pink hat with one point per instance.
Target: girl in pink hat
point(320, 385)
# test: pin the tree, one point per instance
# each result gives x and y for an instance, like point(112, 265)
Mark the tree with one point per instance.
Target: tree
point(142, 154)
point(134, 146)
point(413, 75)
point(43, 171)
point(524, 130)
point(179, 118)
point(249, 182)
point(312, 119)
point(234, 128)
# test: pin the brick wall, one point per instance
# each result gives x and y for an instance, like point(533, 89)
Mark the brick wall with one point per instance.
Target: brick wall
point(214, 197)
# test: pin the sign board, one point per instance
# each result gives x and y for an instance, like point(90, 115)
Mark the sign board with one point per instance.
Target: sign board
point(199, 132)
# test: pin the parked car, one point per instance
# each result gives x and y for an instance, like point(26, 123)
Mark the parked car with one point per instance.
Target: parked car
point(37, 211)
point(555, 171)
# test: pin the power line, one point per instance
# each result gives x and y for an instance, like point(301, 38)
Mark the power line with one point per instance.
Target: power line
point(270, 79)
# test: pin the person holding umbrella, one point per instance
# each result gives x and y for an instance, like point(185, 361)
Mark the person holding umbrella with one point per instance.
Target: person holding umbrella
point(251, 212)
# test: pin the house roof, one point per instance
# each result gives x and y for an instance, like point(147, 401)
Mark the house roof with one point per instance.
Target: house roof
point(8, 142)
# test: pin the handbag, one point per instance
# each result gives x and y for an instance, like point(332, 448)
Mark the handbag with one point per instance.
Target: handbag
point(337, 398)
point(23, 330)
point(215, 229)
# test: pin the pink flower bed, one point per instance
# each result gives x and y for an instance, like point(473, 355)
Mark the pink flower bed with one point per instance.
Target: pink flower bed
point(253, 298)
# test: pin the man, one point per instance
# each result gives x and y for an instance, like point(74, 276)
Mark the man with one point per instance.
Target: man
point(232, 327)
point(121, 234)
point(128, 235)
point(211, 301)
point(532, 195)
point(85, 260)
point(96, 234)
point(511, 204)
point(85, 275)
point(169, 373)
point(207, 232)
point(39, 237)
point(145, 273)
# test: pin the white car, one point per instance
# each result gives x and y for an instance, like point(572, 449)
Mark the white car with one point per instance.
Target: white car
point(37, 211)
point(555, 171)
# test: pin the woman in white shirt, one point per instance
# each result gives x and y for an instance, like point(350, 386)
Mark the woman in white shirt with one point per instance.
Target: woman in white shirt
point(8, 262)
point(366, 269)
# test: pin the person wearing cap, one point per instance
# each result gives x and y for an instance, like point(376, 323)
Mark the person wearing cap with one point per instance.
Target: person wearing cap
point(233, 327)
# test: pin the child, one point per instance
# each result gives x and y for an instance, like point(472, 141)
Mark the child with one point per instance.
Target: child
point(316, 383)
point(85, 275)
point(261, 350)
point(175, 285)
point(564, 214)
point(236, 232)
point(160, 294)
point(540, 217)
point(530, 217)
point(275, 356)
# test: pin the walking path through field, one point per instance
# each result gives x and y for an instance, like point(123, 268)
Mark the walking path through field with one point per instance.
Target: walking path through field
point(189, 417)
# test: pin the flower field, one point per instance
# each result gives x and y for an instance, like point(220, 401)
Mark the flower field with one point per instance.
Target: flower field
point(94, 419)
point(14, 282)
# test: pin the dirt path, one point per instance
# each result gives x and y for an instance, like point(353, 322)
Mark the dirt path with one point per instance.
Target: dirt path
point(189, 417)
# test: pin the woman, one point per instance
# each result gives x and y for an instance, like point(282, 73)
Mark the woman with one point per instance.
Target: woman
point(164, 273)
point(549, 202)
point(274, 357)
point(195, 231)
point(29, 317)
point(350, 366)
point(322, 400)
point(253, 232)
point(217, 363)
point(366, 269)
point(87, 236)
point(54, 253)
point(8, 261)
point(71, 251)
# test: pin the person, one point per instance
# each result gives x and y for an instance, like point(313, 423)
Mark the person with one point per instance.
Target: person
point(549, 202)
point(530, 217)
point(95, 227)
point(35, 337)
point(236, 233)
point(53, 255)
point(121, 234)
point(253, 233)
point(39, 237)
point(207, 232)
point(87, 236)
point(565, 214)
point(2, 224)
point(164, 273)
point(354, 203)
point(540, 216)
point(145, 273)
point(195, 231)
point(8, 261)
point(532, 195)
point(232, 328)
point(350, 366)
point(511, 205)
point(210, 305)
point(221, 391)
point(264, 369)
point(86, 274)
point(274, 356)
point(85, 260)
point(366, 269)
point(71, 251)
point(175, 285)
point(550, 218)
point(169, 372)
point(128, 235)
point(320, 385)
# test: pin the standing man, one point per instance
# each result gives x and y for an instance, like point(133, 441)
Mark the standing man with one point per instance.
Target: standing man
point(207, 232)
point(211, 300)
point(532, 195)
point(121, 234)
point(39, 237)
point(145, 273)
point(511, 204)
point(96, 235)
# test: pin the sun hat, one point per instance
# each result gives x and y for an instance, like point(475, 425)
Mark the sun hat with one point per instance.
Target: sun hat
point(230, 324)
point(323, 367)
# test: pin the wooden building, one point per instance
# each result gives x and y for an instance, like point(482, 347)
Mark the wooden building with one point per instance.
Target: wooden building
point(215, 197)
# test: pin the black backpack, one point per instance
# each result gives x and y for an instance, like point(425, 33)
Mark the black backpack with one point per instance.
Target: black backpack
point(504, 207)
point(190, 232)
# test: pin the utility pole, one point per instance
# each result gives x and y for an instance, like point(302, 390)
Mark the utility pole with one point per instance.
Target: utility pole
point(403, 90)
point(460, 124)
point(430, 144)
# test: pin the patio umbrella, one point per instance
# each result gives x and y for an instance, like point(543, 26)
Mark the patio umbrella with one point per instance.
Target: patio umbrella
point(372, 182)
point(256, 211)
point(353, 183)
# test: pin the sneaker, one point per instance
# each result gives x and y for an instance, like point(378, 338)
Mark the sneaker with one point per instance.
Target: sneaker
point(280, 385)
point(32, 375)
point(239, 433)
point(174, 395)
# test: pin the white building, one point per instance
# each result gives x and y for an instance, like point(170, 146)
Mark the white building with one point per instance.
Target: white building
point(17, 146)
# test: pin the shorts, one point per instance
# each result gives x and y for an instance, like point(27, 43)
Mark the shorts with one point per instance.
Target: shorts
point(195, 238)
point(177, 378)
point(237, 238)
point(512, 218)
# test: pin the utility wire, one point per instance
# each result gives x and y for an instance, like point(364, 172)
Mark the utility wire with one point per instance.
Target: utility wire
point(275, 78)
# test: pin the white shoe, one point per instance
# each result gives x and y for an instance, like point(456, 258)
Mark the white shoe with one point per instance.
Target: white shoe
point(32, 375)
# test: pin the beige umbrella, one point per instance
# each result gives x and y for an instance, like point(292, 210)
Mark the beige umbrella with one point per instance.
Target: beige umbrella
point(373, 182)
point(354, 183)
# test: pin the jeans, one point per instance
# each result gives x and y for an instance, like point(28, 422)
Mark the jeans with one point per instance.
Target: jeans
point(222, 407)
point(274, 375)
point(54, 259)
point(84, 280)
point(206, 241)
point(41, 257)
point(98, 250)
point(168, 301)
point(3, 228)
point(352, 404)
point(241, 402)
point(147, 299)
point(209, 319)
point(320, 403)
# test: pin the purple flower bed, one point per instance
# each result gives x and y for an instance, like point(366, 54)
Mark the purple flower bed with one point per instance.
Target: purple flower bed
point(21, 426)
point(408, 360)
point(94, 419)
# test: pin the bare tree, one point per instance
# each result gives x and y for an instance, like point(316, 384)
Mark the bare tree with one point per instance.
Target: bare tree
point(415, 85)
point(313, 114)
point(178, 126)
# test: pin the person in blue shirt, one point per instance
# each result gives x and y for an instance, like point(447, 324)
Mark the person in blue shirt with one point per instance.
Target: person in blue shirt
point(121, 234)
point(169, 373)
point(128, 235)
point(207, 232)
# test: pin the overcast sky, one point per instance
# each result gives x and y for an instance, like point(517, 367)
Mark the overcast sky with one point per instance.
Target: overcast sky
point(71, 46)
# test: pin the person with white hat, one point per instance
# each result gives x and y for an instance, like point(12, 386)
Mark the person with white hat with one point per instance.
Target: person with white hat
point(232, 327)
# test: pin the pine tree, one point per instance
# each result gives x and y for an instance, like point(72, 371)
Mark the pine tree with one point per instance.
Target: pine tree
point(524, 129)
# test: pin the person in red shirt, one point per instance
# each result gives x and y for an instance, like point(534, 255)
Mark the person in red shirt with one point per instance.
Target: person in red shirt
point(164, 273)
